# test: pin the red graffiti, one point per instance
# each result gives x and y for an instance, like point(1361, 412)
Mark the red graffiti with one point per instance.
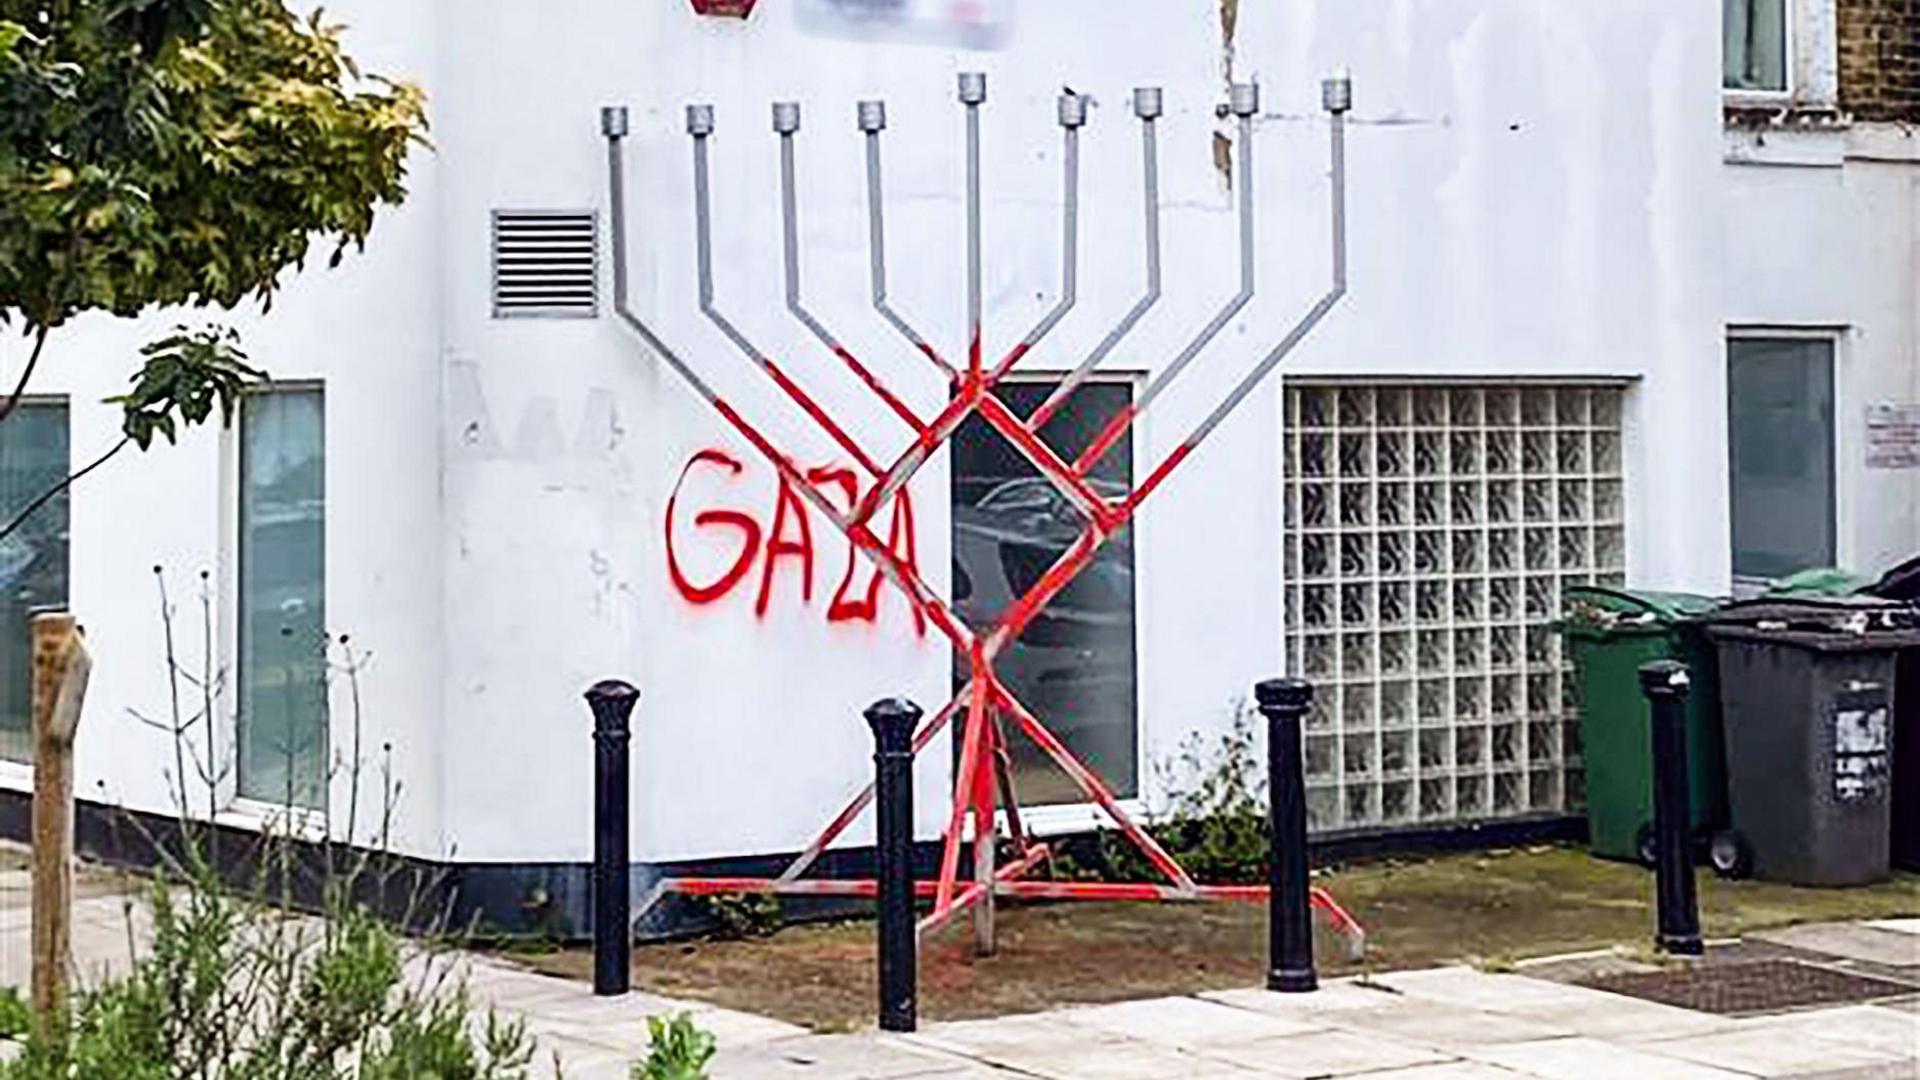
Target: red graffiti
point(789, 539)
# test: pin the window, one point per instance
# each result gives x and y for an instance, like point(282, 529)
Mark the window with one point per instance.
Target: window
point(1755, 56)
point(1780, 424)
point(1430, 533)
point(283, 684)
point(1074, 665)
point(33, 560)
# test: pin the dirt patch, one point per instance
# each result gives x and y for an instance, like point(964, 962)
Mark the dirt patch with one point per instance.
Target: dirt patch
point(1490, 909)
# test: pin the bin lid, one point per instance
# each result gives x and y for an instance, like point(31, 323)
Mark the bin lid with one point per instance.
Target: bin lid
point(1824, 641)
point(1601, 608)
point(1826, 622)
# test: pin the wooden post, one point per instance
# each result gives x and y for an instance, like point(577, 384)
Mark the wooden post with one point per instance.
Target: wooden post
point(60, 670)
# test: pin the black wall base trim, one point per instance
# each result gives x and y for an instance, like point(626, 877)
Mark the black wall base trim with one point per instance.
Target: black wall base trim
point(550, 899)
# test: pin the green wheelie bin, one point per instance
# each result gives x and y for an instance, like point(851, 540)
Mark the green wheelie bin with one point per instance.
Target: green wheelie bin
point(1610, 633)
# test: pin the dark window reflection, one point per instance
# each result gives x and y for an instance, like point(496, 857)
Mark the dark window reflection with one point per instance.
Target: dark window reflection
point(1780, 395)
point(33, 559)
point(1074, 666)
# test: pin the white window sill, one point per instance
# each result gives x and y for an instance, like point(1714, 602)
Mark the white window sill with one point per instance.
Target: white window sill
point(1803, 147)
point(16, 776)
point(296, 822)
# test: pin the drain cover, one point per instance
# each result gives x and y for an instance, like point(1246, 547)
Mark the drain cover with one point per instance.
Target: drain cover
point(1758, 986)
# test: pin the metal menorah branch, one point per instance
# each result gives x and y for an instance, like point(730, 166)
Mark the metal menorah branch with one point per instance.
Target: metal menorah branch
point(983, 784)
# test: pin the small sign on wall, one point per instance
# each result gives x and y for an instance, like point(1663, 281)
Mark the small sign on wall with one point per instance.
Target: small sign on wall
point(973, 24)
point(1893, 436)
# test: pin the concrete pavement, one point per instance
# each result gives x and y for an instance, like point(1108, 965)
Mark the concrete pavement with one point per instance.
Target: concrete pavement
point(1441, 1024)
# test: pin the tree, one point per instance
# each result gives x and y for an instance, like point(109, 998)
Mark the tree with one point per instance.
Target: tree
point(181, 152)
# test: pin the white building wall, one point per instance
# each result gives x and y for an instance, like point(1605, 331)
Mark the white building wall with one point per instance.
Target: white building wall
point(1820, 237)
point(1535, 193)
point(370, 330)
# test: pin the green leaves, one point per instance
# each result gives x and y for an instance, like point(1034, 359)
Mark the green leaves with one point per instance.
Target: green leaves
point(183, 152)
point(186, 373)
point(677, 1050)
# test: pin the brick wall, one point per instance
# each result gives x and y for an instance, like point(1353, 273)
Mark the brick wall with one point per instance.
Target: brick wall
point(1880, 58)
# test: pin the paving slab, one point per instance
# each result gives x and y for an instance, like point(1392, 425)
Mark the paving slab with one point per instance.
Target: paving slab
point(1186, 1022)
point(1033, 1031)
point(1453, 1070)
point(839, 1057)
point(1891, 1031)
point(1438, 1024)
point(1085, 1055)
point(1496, 992)
point(1325, 1053)
point(1870, 1072)
point(1852, 941)
point(576, 1060)
point(1581, 1058)
point(1334, 995)
point(1616, 1016)
point(1769, 1048)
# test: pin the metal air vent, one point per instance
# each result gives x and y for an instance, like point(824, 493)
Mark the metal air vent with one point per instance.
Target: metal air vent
point(546, 264)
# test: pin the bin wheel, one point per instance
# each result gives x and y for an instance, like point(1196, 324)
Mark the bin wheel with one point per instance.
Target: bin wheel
point(1730, 855)
point(1645, 847)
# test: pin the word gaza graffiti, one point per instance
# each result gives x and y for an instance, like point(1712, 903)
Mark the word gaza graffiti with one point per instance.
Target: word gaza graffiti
point(786, 541)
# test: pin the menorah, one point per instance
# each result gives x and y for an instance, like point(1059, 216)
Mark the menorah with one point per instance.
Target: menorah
point(983, 782)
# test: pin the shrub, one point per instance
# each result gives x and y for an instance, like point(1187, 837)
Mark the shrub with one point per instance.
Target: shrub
point(678, 1050)
point(236, 985)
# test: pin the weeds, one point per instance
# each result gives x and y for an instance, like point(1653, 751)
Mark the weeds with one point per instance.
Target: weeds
point(235, 985)
point(678, 1050)
point(739, 916)
point(1216, 826)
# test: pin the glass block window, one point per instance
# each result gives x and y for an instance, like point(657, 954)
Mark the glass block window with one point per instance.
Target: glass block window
point(33, 559)
point(283, 677)
point(1430, 532)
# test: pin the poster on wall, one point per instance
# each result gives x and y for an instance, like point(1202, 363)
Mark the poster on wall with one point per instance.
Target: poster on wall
point(969, 24)
point(1893, 436)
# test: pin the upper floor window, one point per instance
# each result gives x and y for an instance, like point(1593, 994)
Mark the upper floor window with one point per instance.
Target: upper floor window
point(1757, 43)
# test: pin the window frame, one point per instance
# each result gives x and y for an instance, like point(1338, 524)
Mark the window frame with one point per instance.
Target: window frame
point(1062, 819)
point(242, 808)
point(1790, 57)
point(1835, 336)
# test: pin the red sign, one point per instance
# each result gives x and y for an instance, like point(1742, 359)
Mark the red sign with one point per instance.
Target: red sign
point(735, 9)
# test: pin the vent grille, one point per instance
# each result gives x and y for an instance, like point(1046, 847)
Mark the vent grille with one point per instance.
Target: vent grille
point(546, 264)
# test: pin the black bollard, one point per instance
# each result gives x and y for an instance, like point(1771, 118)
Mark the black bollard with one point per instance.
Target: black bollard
point(1665, 683)
point(1289, 925)
point(612, 702)
point(893, 721)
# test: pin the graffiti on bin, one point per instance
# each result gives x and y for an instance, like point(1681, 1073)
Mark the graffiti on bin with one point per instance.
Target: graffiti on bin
point(1861, 744)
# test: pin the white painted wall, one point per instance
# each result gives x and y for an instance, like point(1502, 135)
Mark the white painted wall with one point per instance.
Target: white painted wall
point(1820, 236)
point(1536, 191)
point(371, 331)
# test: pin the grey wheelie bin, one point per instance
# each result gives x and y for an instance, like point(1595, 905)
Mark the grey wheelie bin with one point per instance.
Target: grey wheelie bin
point(1806, 689)
point(1902, 583)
